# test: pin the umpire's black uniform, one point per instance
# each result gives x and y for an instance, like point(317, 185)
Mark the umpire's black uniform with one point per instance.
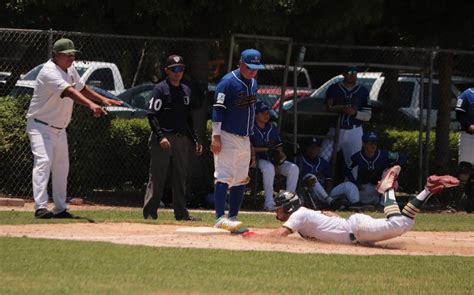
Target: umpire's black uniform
point(170, 117)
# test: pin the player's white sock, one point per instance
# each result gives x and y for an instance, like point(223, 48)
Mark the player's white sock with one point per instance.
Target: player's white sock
point(390, 204)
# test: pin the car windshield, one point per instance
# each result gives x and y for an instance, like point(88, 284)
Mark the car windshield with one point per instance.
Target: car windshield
point(32, 74)
point(274, 76)
point(139, 96)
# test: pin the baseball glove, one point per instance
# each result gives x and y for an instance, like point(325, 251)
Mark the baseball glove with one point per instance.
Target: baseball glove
point(276, 156)
point(309, 180)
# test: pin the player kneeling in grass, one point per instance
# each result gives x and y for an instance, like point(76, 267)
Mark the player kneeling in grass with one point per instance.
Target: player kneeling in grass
point(358, 228)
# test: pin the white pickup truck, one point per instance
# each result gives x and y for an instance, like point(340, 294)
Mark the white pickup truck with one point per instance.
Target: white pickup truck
point(95, 73)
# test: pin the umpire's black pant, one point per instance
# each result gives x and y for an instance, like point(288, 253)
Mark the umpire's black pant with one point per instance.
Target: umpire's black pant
point(179, 157)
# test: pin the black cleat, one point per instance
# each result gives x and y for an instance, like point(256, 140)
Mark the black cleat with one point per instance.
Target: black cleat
point(43, 213)
point(63, 214)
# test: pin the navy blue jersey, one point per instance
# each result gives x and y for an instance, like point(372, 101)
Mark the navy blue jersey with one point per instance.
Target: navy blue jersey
point(465, 107)
point(266, 137)
point(370, 169)
point(171, 106)
point(356, 97)
point(235, 103)
point(318, 167)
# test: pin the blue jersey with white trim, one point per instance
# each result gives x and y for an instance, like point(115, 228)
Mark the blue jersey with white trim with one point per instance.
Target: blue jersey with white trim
point(371, 168)
point(318, 167)
point(355, 97)
point(266, 137)
point(235, 103)
point(465, 105)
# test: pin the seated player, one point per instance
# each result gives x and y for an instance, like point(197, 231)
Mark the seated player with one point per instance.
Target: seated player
point(371, 162)
point(266, 142)
point(317, 179)
point(358, 228)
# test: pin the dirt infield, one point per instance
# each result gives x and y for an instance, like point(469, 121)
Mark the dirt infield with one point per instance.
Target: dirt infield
point(412, 243)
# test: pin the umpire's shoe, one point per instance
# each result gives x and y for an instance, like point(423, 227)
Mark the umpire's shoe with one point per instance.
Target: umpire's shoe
point(43, 213)
point(150, 215)
point(63, 214)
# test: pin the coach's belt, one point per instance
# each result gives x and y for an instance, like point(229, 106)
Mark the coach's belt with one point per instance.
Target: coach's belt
point(350, 127)
point(44, 123)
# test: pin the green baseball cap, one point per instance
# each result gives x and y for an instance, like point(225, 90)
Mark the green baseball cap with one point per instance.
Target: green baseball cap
point(64, 45)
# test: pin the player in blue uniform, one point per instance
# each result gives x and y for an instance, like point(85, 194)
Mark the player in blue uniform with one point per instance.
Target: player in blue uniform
point(317, 178)
point(371, 162)
point(349, 99)
point(171, 142)
point(264, 140)
point(465, 116)
point(233, 119)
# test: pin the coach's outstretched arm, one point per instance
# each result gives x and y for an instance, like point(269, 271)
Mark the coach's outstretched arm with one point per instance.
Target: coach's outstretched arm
point(94, 96)
point(78, 97)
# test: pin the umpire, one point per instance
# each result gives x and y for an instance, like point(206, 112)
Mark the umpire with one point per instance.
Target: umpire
point(171, 142)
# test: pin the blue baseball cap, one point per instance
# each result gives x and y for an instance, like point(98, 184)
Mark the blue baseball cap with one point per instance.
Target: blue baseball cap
point(313, 141)
point(351, 69)
point(370, 136)
point(261, 107)
point(251, 58)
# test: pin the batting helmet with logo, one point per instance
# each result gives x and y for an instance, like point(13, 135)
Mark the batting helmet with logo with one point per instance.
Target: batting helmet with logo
point(288, 201)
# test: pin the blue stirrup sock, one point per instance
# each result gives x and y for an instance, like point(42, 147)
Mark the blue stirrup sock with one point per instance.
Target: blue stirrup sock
point(220, 194)
point(235, 200)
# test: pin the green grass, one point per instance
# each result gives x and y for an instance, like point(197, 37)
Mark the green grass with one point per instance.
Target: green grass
point(36, 266)
point(424, 222)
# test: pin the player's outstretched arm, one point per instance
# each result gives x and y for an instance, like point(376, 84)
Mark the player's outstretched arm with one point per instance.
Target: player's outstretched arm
point(280, 232)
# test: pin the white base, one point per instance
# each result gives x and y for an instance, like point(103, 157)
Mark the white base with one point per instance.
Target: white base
point(202, 230)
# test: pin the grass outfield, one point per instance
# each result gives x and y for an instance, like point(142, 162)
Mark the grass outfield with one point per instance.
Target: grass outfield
point(35, 266)
point(424, 222)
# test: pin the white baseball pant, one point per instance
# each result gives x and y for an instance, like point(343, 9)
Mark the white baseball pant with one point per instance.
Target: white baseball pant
point(350, 141)
point(346, 188)
point(50, 150)
point(368, 229)
point(466, 147)
point(232, 163)
point(288, 169)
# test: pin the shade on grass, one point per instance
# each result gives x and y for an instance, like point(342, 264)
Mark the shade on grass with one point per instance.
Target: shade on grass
point(35, 266)
point(424, 222)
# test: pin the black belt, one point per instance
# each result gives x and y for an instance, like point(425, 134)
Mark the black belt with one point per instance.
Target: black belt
point(350, 127)
point(44, 123)
point(353, 238)
point(176, 133)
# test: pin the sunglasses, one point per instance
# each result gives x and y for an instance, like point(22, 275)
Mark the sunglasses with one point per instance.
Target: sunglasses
point(177, 69)
point(352, 72)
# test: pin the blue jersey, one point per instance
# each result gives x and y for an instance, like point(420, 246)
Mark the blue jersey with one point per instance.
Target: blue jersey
point(465, 106)
point(318, 167)
point(235, 103)
point(266, 137)
point(355, 97)
point(371, 168)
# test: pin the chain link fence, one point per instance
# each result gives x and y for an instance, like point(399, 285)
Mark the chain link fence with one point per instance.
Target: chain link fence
point(110, 154)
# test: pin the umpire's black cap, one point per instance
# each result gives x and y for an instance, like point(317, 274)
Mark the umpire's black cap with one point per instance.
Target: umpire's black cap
point(174, 61)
